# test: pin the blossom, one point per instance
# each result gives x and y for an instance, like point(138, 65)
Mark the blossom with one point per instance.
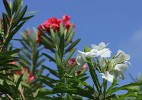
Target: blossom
point(71, 62)
point(65, 18)
point(119, 70)
point(101, 46)
point(27, 73)
point(121, 56)
point(83, 69)
point(107, 76)
point(80, 59)
point(31, 77)
point(101, 50)
point(54, 23)
point(102, 62)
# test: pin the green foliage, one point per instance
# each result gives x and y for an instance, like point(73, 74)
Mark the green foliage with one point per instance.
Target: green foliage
point(22, 70)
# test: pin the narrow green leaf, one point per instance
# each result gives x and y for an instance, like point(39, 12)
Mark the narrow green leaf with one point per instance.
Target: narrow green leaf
point(72, 46)
point(53, 72)
point(124, 87)
point(59, 65)
point(47, 83)
point(94, 77)
point(47, 44)
point(27, 18)
point(70, 55)
point(19, 17)
point(61, 29)
point(61, 46)
point(10, 36)
point(5, 23)
point(19, 81)
point(112, 85)
point(49, 57)
point(7, 7)
point(69, 38)
point(68, 97)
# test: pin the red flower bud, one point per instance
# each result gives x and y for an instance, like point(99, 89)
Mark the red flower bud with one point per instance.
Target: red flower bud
point(65, 18)
point(71, 62)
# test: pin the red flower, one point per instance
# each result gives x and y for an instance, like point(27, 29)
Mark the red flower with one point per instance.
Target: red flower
point(41, 27)
point(65, 18)
point(38, 37)
point(54, 22)
point(31, 77)
point(84, 69)
point(71, 62)
point(29, 74)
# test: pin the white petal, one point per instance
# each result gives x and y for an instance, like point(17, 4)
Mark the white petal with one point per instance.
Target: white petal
point(105, 53)
point(118, 74)
point(94, 46)
point(101, 62)
point(101, 46)
point(127, 57)
point(121, 67)
point(80, 59)
point(107, 76)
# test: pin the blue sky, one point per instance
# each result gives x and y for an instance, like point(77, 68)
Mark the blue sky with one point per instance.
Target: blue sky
point(117, 22)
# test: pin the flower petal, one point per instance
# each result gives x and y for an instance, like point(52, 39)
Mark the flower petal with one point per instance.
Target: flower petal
point(107, 76)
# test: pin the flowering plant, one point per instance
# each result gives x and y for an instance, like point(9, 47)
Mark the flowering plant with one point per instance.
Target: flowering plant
point(25, 75)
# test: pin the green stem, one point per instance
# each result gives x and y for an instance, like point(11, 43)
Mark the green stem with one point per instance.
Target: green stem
point(105, 87)
point(10, 98)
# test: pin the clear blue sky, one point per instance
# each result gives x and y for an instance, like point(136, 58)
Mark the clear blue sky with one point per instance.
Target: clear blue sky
point(117, 22)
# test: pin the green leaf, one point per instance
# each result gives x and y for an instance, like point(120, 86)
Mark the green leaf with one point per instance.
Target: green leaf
point(61, 46)
point(72, 46)
point(18, 18)
point(7, 7)
point(61, 29)
point(124, 87)
point(19, 81)
point(70, 55)
point(69, 38)
point(49, 57)
point(27, 18)
point(26, 85)
point(47, 83)
point(5, 23)
point(48, 44)
point(10, 36)
point(17, 5)
point(112, 85)
point(68, 97)
point(53, 72)
point(59, 65)
point(94, 76)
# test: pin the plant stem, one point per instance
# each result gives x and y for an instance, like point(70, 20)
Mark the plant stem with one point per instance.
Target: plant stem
point(21, 92)
point(105, 87)
point(9, 97)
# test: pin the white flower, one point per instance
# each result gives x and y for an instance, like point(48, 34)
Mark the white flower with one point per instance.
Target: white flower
point(101, 46)
point(107, 76)
point(119, 70)
point(80, 59)
point(121, 67)
point(101, 50)
point(102, 62)
point(105, 53)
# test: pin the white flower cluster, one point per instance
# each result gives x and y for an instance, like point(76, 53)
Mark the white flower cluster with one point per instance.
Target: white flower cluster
point(110, 68)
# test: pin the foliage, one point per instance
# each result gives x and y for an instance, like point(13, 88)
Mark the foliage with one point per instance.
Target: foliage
point(45, 68)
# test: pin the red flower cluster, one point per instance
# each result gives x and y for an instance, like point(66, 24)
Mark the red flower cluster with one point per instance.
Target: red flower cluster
point(29, 74)
point(71, 63)
point(55, 24)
